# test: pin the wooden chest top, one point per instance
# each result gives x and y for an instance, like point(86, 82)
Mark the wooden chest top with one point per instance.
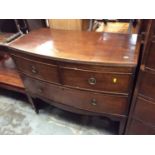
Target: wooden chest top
point(86, 47)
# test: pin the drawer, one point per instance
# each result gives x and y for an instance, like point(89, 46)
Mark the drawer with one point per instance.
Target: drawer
point(150, 61)
point(85, 100)
point(145, 111)
point(37, 70)
point(138, 128)
point(147, 85)
point(108, 82)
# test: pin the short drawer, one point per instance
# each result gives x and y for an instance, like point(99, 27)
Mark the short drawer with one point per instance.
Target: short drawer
point(145, 110)
point(37, 70)
point(85, 100)
point(108, 82)
point(147, 85)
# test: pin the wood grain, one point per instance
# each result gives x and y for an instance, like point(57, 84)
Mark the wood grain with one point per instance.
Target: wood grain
point(66, 64)
point(90, 47)
point(141, 117)
point(79, 99)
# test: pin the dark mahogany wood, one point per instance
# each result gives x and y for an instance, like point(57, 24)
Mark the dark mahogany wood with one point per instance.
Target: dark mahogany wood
point(90, 101)
point(84, 71)
point(151, 55)
point(145, 110)
point(90, 47)
point(147, 85)
point(39, 70)
point(139, 128)
point(142, 112)
point(101, 81)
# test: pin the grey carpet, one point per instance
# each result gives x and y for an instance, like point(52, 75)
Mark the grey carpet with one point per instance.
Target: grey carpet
point(18, 118)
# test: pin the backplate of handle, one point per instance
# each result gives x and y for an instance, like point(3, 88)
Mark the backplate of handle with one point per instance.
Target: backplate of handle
point(92, 81)
point(34, 70)
point(93, 102)
point(40, 90)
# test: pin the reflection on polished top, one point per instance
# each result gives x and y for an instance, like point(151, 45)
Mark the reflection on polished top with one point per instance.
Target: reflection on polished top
point(81, 46)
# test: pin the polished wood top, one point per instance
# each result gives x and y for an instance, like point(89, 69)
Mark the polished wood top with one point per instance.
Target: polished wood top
point(86, 47)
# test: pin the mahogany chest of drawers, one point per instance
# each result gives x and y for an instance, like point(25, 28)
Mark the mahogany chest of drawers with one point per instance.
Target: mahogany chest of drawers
point(84, 72)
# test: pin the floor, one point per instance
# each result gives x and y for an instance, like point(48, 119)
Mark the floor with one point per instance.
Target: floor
point(18, 118)
point(116, 27)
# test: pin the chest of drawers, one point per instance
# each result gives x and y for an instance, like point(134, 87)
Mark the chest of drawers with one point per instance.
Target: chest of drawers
point(85, 72)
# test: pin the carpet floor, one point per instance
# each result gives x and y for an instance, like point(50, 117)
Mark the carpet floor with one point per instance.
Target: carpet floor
point(18, 118)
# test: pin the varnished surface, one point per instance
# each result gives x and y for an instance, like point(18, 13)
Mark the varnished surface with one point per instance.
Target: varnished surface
point(151, 57)
point(73, 65)
point(74, 76)
point(103, 81)
point(138, 128)
point(112, 104)
point(142, 113)
point(8, 73)
point(147, 85)
point(91, 47)
point(144, 110)
point(65, 61)
point(10, 77)
point(43, 71)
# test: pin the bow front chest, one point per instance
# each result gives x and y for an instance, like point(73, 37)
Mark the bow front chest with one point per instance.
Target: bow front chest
point(84, 72)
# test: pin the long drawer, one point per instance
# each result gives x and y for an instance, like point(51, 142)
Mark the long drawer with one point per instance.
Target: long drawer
point(101, 81)
point(39, 70)
point(86, 100)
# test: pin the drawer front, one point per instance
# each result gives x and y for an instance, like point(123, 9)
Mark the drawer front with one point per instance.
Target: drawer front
point(145, 111)
point(147, 85)
point(108, 82)
point(138, 128)
point(94, 102)
point(37, 70)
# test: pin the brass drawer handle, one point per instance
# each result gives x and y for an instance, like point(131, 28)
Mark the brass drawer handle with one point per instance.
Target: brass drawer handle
point(92, 81)
point(34, 70)
point(93, 102)
point(40, 90)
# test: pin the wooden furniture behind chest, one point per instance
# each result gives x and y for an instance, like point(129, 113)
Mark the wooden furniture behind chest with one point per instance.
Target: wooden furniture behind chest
point(10, 30)
point(142, 113)
point(84, 72)
point(9, 76)
point(69, 24)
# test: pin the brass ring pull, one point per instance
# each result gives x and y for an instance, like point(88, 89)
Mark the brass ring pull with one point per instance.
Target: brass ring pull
point(93, 102)
point(40, 90)
point(92, 81)
point(34, 70)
